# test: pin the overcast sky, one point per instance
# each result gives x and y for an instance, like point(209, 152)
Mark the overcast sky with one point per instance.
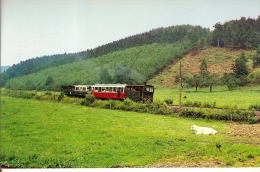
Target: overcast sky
point(34, 28)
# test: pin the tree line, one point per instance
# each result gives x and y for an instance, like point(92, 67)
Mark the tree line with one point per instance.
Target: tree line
point(237, 34)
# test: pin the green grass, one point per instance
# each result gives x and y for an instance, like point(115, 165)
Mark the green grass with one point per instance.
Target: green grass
point(48, 134)
point(240, 98)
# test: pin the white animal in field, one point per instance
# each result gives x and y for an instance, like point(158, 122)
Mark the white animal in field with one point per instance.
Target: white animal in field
point(203, 130)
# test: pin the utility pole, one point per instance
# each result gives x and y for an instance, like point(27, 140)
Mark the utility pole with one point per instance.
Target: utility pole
point(54, 88)
point(180, 91)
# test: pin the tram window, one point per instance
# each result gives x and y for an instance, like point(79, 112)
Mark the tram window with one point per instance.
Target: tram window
point(149, 89)
point(84, 88)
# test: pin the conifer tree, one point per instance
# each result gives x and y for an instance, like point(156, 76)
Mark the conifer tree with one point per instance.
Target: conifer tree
point(240, 67)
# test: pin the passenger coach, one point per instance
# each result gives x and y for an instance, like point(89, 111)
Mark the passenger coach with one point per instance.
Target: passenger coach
point(76, 90)
point(123, 91)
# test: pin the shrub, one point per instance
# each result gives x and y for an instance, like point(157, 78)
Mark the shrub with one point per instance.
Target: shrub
point(168, 101)
point(120, 105)
point(97, 103)
point(61, 95)
point(89, 99)
point(127, 102)
point(188, 103)
point(48, 93)
point(112, 104)
point(254, 106)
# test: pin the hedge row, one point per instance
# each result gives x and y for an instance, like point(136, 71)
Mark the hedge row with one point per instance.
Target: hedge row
point(160, 108)
point(226, 115)
point(128, 105)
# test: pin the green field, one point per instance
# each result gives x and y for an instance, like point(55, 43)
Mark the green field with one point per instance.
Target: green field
point(239, 98)
point(48, 134)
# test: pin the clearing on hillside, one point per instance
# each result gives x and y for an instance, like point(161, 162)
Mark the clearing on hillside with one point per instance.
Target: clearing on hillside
point(219, 60)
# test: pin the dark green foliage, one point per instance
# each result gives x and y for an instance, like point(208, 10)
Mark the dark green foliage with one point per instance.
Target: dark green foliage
point(240, 67)
point(49, 83)
point(229, 80)
point(191, 113)
point(61, 95)
point(168, 101)
point(194, 39)
point(89, 99)
point(254, 78)
point(204, 69)
point(255, 107)
point(256, 58)
point(226, 115)
point(210, 80)
point(200, 104)
point(105, 77)
point(196, 81)
point(241, 70)
point(237, 34)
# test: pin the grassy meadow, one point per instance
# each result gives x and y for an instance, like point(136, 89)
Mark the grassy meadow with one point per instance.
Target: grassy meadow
point(49, 134)
point(240, 98)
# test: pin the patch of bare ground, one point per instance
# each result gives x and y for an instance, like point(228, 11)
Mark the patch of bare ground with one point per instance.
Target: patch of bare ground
point(247, 130)
point(185, 165)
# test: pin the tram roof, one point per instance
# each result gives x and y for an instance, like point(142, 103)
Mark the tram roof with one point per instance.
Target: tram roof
point(82, 85)
point(109, 85)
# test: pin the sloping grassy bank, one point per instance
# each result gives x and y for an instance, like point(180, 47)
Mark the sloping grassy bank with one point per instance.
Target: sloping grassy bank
point(48, 134)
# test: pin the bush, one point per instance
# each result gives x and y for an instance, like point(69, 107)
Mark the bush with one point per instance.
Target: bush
point(48, 93)
point(168, 101)
point(61, 95)
point(89, 99)
point(254, 106)
point(97, 103)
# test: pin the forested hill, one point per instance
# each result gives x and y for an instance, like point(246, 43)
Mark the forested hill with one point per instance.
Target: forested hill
point(236, 34)
point(161, 35)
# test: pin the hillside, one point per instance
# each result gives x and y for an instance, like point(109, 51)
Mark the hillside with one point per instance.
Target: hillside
point(169, 35)
point(219, 60)
point(136, 65)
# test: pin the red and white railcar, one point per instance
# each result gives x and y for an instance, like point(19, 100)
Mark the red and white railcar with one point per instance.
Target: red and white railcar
point(109, 91)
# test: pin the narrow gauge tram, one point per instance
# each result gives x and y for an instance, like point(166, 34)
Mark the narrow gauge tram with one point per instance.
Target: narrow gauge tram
point(76, 90)
point(123, 91)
